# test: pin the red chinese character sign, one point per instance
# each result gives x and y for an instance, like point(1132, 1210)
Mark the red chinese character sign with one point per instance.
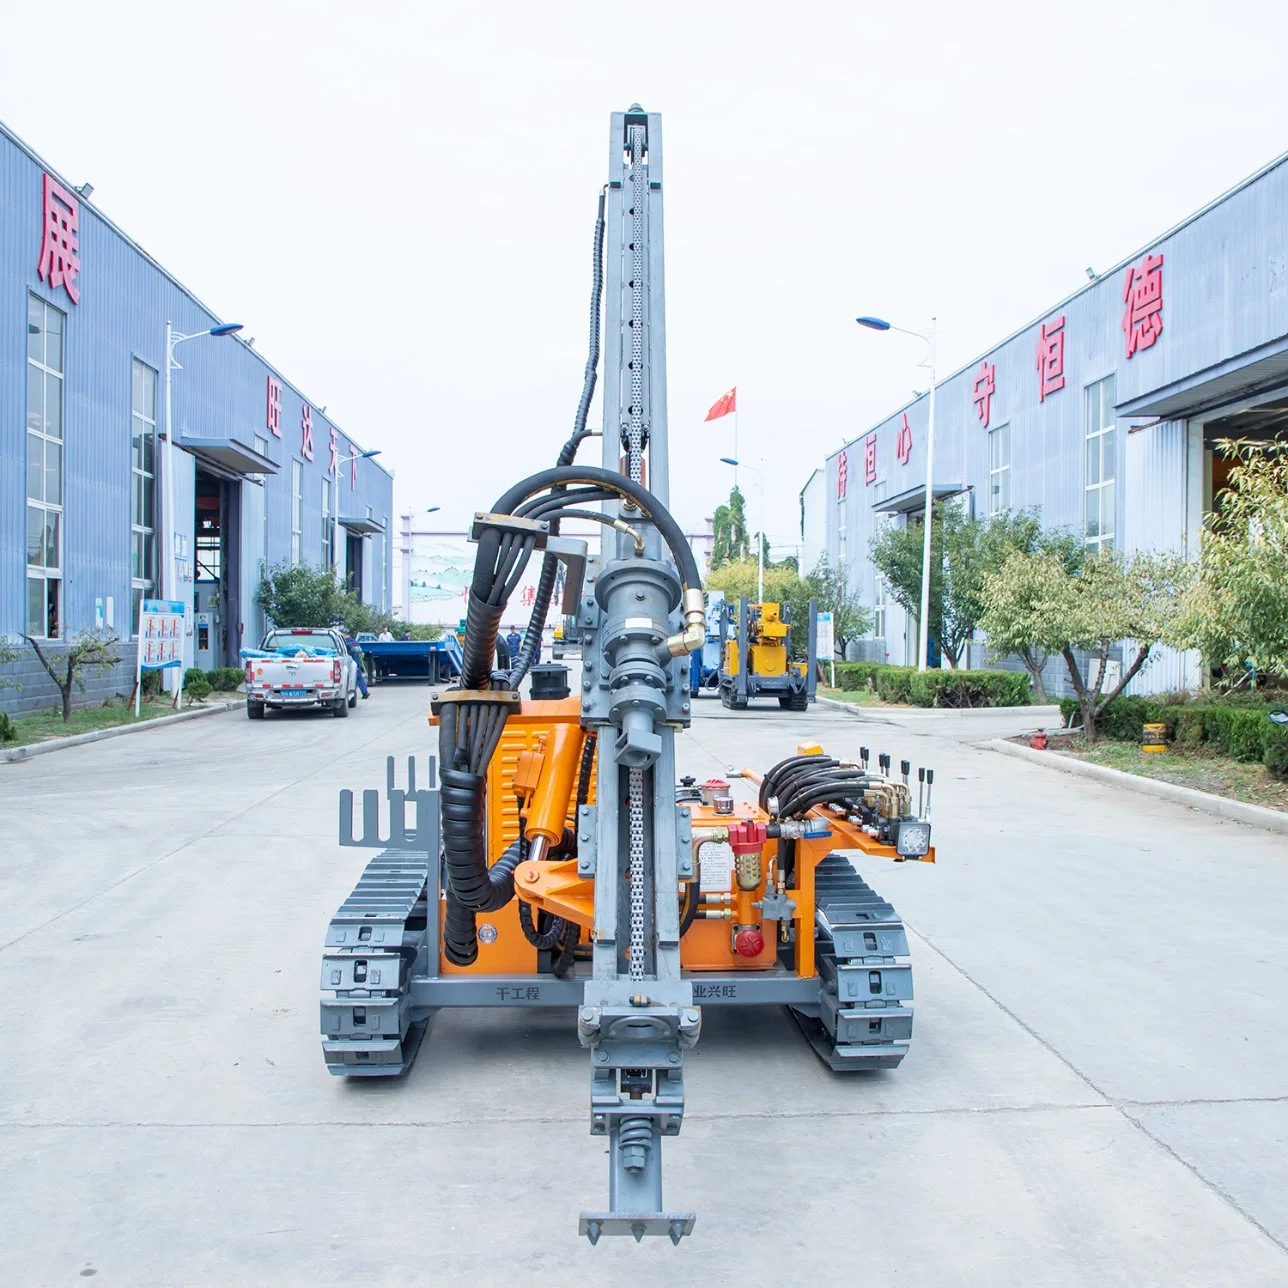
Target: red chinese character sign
point(274, 412)
point(1050, 358)
point(306, 432)
point(60, 240)
point(870, 460)
point(985, 386)
point(903, 443)
point(334, 466)
point(1143, 298)
point(842, 474)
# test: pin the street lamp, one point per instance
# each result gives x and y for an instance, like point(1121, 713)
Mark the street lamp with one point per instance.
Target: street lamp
point(173, 339)
point(879, 324)
point(760, 536)
point(335, 502)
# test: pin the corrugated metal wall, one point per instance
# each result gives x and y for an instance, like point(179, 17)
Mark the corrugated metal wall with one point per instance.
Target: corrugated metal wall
point(125, 301)
point(1225, 293)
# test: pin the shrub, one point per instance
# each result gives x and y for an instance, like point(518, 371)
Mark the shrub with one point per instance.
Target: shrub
point(969, 688)
point(8, 730)
point(224, 679)
point(935, 688)
point(1239, 730)
point(150, 684)
point(195, 684)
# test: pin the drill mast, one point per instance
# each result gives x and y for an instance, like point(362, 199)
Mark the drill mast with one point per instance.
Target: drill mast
point(637, 1016)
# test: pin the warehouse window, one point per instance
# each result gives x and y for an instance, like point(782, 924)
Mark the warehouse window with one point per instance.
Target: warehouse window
point(297, 510)
point(328, 555)
point(999, 469)
point(45, 331)
point(143, 433)
point(879, 608)
point(1101, 446)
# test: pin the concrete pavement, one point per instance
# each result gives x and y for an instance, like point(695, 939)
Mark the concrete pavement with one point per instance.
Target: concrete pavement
point(1096, 1093)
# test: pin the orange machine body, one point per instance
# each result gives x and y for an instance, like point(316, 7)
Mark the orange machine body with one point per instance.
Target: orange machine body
point(533, 775)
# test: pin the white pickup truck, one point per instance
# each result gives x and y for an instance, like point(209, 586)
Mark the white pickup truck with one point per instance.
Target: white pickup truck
point(301, 667)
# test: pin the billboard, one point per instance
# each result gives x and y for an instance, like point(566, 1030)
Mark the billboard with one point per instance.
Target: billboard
point(437, 580)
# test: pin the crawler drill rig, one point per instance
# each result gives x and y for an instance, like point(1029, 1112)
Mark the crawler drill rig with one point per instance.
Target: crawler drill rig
point(550, 858)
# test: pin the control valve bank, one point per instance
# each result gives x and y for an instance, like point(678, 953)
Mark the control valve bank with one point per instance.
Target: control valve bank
point(549, 856)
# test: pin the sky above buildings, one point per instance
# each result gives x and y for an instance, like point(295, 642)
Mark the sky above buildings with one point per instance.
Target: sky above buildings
point(398, 200)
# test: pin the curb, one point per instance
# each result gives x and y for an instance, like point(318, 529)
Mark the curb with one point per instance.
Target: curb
point(98, 735)
point(1039, 714)
point(1272, 820)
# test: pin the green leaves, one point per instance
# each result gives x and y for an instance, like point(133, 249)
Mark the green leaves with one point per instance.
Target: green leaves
point(783, 585)
point(1237, 611)
point(964, 551)
point(729, 526)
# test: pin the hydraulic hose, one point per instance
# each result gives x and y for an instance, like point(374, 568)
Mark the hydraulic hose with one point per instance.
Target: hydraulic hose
point(594, 476)
point(549, 565)
point(779, 773)
point(478, 887)
point(460, 937)
point(689, 913)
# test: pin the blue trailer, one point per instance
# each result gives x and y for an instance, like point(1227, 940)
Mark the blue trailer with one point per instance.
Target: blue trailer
point(433, 661)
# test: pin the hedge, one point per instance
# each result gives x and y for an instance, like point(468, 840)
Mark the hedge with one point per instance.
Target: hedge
point(935, 688)
point(1242, 732)
point(223, 679)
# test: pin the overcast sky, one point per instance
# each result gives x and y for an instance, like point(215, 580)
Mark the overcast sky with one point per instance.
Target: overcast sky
point(398, 200)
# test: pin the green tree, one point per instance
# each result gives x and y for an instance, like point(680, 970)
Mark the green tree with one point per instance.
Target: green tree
point(1236, 612)
point(729, 528)
point(67, 668)
point(298, 595)
point(964, 550)
point(831, 590)
point(1038, 601)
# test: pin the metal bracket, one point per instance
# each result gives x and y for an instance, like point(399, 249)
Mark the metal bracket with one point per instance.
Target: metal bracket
point(400, 835)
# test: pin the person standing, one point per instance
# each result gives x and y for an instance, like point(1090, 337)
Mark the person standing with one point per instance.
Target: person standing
point(356, 653)
point(512, 641)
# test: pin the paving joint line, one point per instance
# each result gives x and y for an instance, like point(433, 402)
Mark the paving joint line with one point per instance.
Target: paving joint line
point(147, 867)
point(1120, 1106)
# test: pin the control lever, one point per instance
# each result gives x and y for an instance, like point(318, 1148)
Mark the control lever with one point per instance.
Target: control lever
point(930, 782)
point(905, 768)
point(921, 788)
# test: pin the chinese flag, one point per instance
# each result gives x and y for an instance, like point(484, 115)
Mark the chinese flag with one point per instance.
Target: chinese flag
point(724, 405)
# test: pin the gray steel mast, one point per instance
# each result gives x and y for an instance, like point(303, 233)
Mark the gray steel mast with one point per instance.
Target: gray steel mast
point(637, 1015)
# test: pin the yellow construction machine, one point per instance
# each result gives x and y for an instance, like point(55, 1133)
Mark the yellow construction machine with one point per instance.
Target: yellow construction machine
point(755, 656)
point(553, 856)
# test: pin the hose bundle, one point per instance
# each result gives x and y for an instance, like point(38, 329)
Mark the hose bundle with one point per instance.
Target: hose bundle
point(470, 727)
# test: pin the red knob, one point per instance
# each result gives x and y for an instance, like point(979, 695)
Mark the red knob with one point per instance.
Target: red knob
point(749, 943)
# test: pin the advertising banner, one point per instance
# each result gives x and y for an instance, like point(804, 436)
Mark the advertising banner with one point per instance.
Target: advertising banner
point(161, 624)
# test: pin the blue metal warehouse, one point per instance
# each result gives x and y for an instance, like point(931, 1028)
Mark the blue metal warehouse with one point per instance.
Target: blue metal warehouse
point(90, 520)
point(1102, 414)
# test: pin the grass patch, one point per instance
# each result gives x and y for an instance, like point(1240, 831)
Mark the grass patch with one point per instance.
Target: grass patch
point(857, 697)
point(40, 726)
point(1219, 775)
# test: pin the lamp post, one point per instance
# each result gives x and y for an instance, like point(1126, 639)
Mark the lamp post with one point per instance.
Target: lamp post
point(879, 324)
point(335, 501)
point(173, 339)
point(760, 536)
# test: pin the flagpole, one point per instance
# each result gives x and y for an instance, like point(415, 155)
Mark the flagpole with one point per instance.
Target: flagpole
point(736, 457)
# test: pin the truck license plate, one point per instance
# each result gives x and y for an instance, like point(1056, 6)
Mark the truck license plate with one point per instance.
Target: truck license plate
point(294, 693)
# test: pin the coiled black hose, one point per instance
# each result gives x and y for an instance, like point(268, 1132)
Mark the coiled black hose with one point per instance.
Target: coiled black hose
point(773, 775)
point(460, 935)
point(550, 565)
